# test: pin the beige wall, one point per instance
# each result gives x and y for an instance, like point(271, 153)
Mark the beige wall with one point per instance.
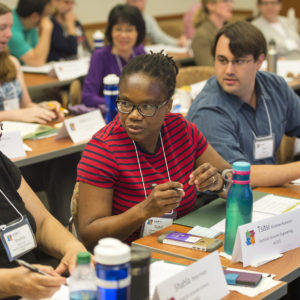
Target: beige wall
point(94, 11)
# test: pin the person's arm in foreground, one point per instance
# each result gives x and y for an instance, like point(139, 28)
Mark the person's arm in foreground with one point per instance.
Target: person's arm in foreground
point(29, 111)
point(38, 56)
point(53, 238)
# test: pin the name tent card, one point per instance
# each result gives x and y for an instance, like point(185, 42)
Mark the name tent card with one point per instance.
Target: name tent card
point(259, 241)
point(11, 144)
point(198, 281)
point(82, 128)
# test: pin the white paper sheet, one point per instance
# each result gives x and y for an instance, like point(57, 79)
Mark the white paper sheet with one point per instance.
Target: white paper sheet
point(167, 49)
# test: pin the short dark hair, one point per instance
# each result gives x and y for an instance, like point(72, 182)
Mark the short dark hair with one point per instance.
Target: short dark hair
point(123, 13)
point(26, 8)
point(259, 1)
point(156, 65)
point(244, 38)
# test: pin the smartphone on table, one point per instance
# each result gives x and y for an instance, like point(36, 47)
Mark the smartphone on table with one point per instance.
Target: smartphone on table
point(190, 241)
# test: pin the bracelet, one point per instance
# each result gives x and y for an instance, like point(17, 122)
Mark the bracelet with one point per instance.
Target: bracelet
point(225, 180)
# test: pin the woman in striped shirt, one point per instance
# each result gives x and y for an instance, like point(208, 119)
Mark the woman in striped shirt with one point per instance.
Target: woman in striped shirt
point(144, 146)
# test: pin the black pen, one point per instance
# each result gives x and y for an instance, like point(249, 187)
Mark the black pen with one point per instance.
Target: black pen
point(31, 267)
point(153, 185)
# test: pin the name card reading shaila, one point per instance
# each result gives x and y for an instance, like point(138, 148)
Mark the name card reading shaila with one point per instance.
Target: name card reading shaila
point(199, 279)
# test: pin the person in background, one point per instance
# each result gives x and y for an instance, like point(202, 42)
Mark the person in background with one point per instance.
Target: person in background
point(188, 21)
point(145, 144)
point(213, 15)
point(250, 109)
point(278, 28)
point(56, 176)
point(17, 198)
point(68, 38)
point(153, 31)
point(125, 33)
point(32, 31)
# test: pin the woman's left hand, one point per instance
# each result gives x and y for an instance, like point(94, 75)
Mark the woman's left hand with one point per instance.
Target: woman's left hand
point(206, 178)
point(68, 262)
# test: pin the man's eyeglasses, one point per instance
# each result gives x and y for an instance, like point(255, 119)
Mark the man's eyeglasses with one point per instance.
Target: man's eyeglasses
point(1, 129)
point(145, 109)
point(239, 62)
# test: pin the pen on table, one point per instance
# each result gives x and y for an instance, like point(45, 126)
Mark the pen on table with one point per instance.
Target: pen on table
point(32, 268)
point(153, 185)
point(52, 105)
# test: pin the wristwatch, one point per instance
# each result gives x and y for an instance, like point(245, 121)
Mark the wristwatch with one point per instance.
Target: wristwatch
point(226, 180)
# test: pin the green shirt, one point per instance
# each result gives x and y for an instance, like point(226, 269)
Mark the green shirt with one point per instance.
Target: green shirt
point(22, 40)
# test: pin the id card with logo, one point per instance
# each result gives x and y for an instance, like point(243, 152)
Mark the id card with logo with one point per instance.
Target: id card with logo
point(263, 147)
point(11, 104)
point(157, 223)
point(18, 239)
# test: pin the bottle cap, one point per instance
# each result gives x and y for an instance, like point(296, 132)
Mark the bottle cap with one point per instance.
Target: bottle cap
point(111, 79)
point(111, 251)
point(272, 43)
point(98, 35)
point(83, 258)
point(241, 166)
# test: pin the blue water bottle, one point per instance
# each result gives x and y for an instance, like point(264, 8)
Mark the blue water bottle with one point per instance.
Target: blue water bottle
point(239, 203)
point(98, 39)
point(112, 269)
point(111, 92)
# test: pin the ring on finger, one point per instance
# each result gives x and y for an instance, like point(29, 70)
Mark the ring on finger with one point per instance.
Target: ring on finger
point(214, 180)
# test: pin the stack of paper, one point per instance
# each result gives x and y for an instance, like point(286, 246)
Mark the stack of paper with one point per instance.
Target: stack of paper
point(266, 207)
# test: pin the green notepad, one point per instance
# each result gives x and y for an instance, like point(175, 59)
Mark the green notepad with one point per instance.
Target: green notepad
point(211, 213)
point(43, 131)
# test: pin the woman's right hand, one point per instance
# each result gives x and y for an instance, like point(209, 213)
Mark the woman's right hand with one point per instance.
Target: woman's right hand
point(162, 199)
point(35, 114)
point(33, 285)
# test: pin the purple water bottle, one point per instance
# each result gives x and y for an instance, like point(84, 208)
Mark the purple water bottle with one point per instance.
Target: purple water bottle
point(111, 92)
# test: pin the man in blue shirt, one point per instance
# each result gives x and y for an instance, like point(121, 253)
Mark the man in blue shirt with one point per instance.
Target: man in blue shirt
point(29, 46)
point(244, 112)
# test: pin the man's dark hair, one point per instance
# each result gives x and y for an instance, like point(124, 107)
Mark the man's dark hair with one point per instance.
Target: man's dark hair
point(245, 39)
point(26, 8)
point(260, 1)
point(123, 13)
point(156, 65)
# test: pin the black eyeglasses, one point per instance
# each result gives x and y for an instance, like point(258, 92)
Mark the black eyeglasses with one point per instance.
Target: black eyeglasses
point(1, 129)
point(145, 109)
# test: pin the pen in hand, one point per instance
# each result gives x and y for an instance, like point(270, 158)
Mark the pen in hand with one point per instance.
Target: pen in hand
point(153, 185)
point(31, 267)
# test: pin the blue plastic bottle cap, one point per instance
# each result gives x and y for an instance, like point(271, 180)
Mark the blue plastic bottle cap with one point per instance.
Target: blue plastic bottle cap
point(111, 79)
point(241, 166)
point(111, 251)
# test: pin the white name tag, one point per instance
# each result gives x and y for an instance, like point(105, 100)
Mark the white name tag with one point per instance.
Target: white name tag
point(82, 128)
point(11, 104)
point(258, 241)
point(198, 281)
point(156, 223)
point(263, 147)
point(11, 144)
point(18, 239)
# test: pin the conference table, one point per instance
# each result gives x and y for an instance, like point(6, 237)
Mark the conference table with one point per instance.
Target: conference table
point(285, 268)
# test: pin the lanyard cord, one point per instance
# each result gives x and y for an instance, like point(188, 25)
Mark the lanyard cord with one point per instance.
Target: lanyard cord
point(119, 61)
point(138, 160)
point(269, 120)
point(3, 226)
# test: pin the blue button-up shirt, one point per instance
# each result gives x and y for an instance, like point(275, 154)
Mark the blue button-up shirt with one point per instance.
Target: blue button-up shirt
point(227, 121)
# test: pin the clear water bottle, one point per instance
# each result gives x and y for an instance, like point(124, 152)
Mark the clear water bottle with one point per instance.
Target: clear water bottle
point(239, 203)
point(112, 269)
point(111, 92)
point(98, 38)
point(272, 57)
point(82, 285)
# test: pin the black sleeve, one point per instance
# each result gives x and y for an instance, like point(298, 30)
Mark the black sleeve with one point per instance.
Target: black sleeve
point(9, 172)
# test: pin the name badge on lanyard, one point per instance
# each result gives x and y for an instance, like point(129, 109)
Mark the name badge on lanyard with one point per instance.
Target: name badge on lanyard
point(157, 223)
point(263, 147)
point(11, 104)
